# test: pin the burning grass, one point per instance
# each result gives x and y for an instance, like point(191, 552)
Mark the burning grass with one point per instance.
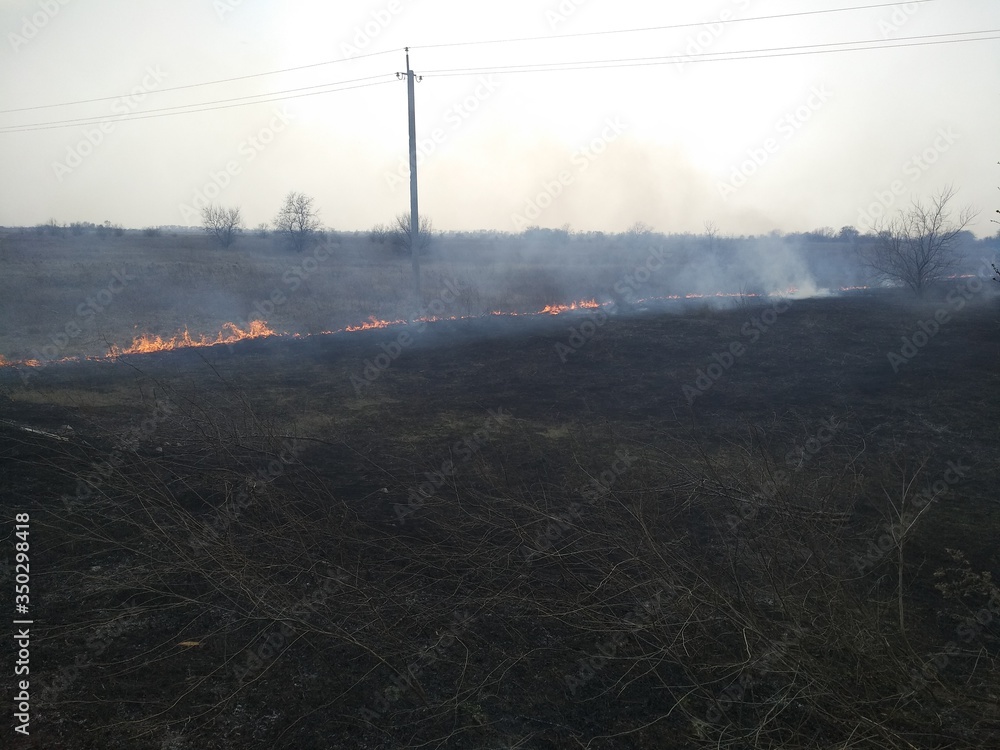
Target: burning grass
point(607, 565)
point(230, 334)
point(91, 296)
point(490, 544)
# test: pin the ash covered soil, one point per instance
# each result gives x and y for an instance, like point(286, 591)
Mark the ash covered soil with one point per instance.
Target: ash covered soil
point(695, 529)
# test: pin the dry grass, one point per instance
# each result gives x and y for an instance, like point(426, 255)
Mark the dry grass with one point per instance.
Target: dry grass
point(186, 282)
point(708, 595)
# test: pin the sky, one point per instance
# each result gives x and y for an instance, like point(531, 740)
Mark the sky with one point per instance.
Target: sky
point(591, 114)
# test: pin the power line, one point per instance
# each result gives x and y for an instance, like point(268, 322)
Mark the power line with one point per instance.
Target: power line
point(167, 111)
point(773, 52)
point(196, 85)
point(751, 54)
point(661, 28)
point(461, 44)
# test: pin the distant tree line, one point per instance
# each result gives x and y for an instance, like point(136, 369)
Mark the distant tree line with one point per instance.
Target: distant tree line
point(916, 247)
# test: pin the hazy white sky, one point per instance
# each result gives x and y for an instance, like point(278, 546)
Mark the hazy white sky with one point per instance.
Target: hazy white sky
point(791, 142)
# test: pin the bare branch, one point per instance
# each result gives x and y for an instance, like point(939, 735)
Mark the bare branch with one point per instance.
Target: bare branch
point(222, 223)
point(297, 221)
point(401, 239)
point(920, 245)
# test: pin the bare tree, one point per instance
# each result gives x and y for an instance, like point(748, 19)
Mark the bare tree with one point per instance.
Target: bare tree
point(711, 231)
point(919, 245)
point(262, 229)
point(297, 221)
point(638, 231)
point(378, 234)
point(401, 239)
point(222, 223)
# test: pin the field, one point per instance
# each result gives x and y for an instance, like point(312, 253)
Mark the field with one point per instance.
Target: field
point(758, 522)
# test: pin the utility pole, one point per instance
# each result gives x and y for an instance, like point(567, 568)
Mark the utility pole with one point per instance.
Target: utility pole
point(414, 214)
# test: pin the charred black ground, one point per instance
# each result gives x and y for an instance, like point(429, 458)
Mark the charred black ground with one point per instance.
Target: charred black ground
point(523, 533)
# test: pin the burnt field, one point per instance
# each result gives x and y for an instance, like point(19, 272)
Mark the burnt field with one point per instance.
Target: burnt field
point(674, 529)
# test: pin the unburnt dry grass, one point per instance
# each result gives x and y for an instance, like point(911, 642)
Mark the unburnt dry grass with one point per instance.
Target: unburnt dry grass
point(71, 296)
point(492, 545)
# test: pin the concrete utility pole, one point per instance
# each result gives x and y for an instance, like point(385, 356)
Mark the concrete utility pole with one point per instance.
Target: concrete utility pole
point(414, 214)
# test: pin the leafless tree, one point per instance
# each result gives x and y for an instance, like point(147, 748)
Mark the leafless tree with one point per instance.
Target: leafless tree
point(401, 239)
point(919, 245)
point(639, 232)
point(222, 223)
point(262, 229)
point(711, 231)
point(379, 234)
point(297, 221)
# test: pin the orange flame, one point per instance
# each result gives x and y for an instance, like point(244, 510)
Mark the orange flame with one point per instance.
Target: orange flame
point(588, 304)
point(372, 323)
point(230, 334)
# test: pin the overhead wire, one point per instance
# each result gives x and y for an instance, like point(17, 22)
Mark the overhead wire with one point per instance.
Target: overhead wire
point(203, 83)
point(337, 86)
point(667, 27)
point(873, 44)
point(467, 43)
point(182, 109)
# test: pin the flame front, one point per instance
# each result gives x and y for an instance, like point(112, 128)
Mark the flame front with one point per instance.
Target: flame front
point(373, 323)
point(588, 304)
point(230, 334)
